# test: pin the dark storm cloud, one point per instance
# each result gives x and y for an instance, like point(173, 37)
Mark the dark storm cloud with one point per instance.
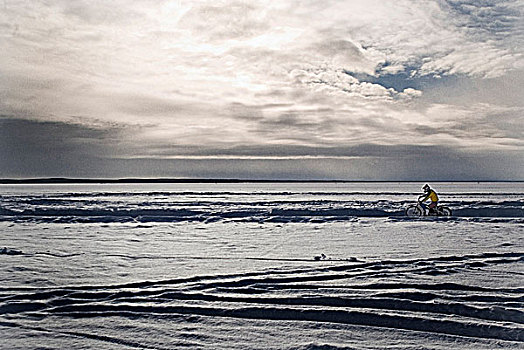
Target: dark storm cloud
point(33, 148)
point(42, 149)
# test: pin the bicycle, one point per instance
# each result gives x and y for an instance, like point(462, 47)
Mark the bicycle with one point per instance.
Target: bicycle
point(420, 209)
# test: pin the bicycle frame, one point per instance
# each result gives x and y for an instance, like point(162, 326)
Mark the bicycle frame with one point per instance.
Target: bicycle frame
point(423, 207)
point(424, 210)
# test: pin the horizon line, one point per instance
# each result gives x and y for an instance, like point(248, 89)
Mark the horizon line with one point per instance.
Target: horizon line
point(66, 180)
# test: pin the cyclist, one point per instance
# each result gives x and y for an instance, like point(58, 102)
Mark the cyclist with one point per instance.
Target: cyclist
point(429, 193)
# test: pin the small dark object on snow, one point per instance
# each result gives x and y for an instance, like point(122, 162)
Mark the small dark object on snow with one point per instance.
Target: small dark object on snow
point(8, 251)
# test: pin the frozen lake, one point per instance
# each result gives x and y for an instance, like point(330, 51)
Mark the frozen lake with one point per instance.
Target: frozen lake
point(260, 266)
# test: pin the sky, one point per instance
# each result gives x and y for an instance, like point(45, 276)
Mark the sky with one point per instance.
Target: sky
point(260, 89)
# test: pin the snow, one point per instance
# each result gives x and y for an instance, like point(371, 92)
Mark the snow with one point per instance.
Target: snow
point(260, 266)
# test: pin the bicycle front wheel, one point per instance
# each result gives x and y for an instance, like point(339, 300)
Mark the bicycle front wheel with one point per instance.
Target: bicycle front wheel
point(413, 211)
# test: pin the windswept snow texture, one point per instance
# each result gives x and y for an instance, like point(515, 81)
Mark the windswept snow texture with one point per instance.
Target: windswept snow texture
point(311, 202)
point(260, 266)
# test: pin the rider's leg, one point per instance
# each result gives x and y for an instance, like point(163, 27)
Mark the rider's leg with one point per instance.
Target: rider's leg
point(433, 208)
point(424, 208)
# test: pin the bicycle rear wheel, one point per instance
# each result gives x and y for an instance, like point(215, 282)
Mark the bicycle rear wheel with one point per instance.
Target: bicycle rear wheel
point(413, 211)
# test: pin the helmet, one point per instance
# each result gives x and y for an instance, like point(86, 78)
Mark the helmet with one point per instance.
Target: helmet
point(426, 188)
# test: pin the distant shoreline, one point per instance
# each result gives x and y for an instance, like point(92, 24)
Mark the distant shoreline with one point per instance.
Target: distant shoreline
point(193, 180)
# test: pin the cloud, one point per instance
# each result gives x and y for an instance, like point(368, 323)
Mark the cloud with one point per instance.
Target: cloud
point(210, 78)
point(32, 148)
point(234, 20)
point(35, 149)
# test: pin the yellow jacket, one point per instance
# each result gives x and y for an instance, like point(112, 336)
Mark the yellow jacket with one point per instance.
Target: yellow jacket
point(431, 195)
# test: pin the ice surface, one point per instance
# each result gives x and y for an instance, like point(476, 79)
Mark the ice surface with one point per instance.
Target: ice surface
point(246, 202)
point(260, 266)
